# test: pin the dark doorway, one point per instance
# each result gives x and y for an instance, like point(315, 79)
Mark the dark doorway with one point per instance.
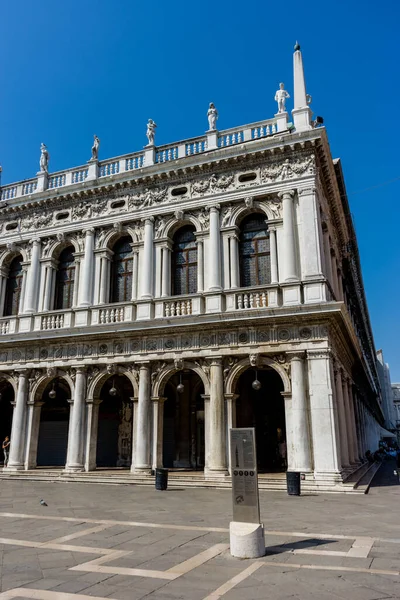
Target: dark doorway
point(6, 412)
point(265, 410)
point(54, 425)
point(183, 439)
point(114, 435)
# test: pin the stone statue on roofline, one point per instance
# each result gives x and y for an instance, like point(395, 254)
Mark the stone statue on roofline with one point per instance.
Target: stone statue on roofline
point(212, 115)
point(44, 159)
point(280, 97)
point(151, 132)
point(95, 148)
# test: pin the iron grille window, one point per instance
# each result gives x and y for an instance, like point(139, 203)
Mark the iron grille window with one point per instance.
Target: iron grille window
point(65, 279)
point(184, 262)
point(122, 271)
point(13, 287)
point(254, 252)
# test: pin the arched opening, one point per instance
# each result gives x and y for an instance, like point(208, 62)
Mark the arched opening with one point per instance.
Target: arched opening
point(13, 287)
point(54, 425)
point(184, 262)
point(122, 270)
point(183, 436)
point(254, 251)
point(114, 434)
point(265, 410)
point(6, 411)
point(65, 279)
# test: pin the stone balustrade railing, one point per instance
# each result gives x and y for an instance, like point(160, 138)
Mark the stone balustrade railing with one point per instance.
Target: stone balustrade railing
point(163, 308)
point(143, 159)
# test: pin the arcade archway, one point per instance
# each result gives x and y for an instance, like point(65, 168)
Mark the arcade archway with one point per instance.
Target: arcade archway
point(114, 434)
point(264, 409)
point(54, 424)
point(183, 435)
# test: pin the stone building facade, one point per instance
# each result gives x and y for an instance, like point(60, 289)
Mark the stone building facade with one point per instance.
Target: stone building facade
point(142, 297)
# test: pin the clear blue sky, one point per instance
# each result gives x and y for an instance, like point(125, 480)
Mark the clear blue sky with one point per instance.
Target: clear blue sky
point(75, 68)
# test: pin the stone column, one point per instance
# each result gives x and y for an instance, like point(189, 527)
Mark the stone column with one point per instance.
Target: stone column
point(142, 459)
point(135, 269)
point(344, 447)
point(146, 286)
point(134, 431)
point(214, 265)
point(92, 427)
point(77, 280)
point(49, 274)
point(34, 410)
point(217, 456)
point(158, 432)
point(323, 413)
point(273, 255)
point(87, 274)
point(18, 429)
point(299, 448)
point(200, 266)
point(158, 267)
point(105, 283)
point(32, 284)
point(335, 276)
point(77, 422)
point(23, 289)
point(234, 262)
point(231, 422)
point(166, 272)
point(327, 256)
point(349, 420)
point(3, 284)
point(352, 404)
point(289, 242)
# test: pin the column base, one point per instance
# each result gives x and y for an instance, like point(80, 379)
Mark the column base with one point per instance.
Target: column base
point(141, 471)
point(74, 469)
point(221, 472)
point(11, 468)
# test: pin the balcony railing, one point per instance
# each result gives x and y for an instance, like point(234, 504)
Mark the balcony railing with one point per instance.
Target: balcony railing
point(138, 160)
point(173, 307)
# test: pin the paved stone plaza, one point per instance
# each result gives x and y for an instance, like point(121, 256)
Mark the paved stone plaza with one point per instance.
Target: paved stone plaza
point(131, 542)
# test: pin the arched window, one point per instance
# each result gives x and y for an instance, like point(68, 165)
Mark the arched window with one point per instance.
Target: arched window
point(122, 271)
point(184, 262)
point(65, 279)
point(254, 248)
point(13, 287)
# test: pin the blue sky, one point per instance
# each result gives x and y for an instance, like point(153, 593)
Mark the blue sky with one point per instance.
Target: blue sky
point(75, 68)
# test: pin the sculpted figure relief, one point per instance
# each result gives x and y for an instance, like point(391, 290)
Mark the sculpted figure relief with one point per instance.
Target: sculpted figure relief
point(95, 148)
point(212, 115)
point(280, 97)
point(151, 132)
point(44, 159)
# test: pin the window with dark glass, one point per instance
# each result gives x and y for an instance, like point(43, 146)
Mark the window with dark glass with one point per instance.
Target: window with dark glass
point(184, 262)
point(122, 271)
point(65, 279)
point(254, 251)
point(13, 287)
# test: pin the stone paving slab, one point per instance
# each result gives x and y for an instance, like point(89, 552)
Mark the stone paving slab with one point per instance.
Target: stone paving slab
point(118, 542)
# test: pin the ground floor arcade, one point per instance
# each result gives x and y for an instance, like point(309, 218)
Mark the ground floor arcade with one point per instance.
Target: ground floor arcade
point(307, 412)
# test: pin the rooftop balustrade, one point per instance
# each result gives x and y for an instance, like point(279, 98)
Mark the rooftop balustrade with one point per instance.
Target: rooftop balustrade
point(149, 156)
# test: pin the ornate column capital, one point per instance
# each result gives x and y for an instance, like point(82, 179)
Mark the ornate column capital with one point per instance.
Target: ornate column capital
point(215, 209)
point(296, 355)
point(316, 354)
point(148, 220)
point(306, 191)
point(89, 231)
point(286, 194)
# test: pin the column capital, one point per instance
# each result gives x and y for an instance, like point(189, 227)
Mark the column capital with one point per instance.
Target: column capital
point(216, 208)
point(215, 361)
point(286, 194)
point(22, 372)
point(296, 355)
point(35, 240)
point(148, 220)
point(89, 231)
point(306, 191)
point(158, 399)
point(315, 354)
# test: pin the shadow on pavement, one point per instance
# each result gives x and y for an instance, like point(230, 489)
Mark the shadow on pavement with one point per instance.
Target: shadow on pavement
point(387, 474)
point(300, 545)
